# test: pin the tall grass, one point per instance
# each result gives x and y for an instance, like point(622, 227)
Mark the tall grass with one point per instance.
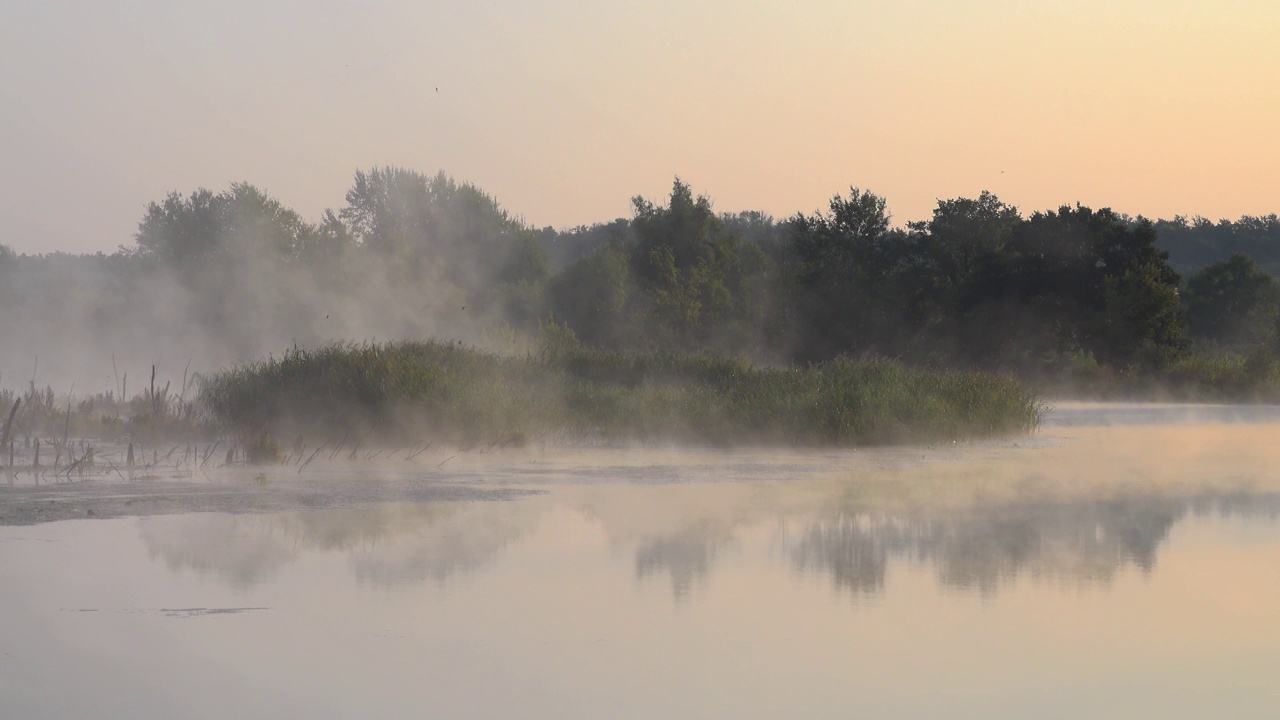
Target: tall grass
point(468, 396)
point(152, 415)
point(1205, 376)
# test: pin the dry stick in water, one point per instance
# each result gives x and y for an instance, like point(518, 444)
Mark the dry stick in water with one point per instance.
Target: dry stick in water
point(67, 470)
point(209, 454)
point(313, 457)
point(442, 462)
point(113, 467)
point(66, 432)
point(340, 444)
point(182, 399)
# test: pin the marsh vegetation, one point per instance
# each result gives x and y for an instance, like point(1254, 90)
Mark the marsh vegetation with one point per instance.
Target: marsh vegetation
point(444, 390)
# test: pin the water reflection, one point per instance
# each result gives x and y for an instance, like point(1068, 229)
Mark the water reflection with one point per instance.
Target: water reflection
point(1076, 543)
point(686, 556)
point(228, 547)
point(851, 533)
point(452, 543)
point(386, 546)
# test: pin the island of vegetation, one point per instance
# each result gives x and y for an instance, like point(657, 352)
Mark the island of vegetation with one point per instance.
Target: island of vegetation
point(407, 391)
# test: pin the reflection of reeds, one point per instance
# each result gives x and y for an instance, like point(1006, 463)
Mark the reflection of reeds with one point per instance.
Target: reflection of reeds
point(481, 399)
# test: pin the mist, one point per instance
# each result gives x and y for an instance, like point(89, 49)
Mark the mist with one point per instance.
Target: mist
point(216, 279)
point(1075, 301)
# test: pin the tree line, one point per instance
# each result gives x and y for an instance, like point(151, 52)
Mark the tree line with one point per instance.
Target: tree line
point(236, 274)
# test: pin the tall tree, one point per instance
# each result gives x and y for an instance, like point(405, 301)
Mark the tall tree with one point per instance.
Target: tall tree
point(1233, 302)
point(845, 267)
point(703, 286)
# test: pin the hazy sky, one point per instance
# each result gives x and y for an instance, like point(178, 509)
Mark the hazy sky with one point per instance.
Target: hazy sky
point(565, 109)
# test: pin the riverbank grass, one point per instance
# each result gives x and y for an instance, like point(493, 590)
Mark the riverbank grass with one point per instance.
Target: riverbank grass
point(445, 391)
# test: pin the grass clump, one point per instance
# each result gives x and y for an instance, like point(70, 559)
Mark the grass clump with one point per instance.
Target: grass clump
point(586, 395)
point(262, 449)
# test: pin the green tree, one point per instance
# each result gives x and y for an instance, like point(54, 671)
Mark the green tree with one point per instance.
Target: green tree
point(961, 262)
point(1086, 270)
point(963, 232)
point(703, 285)
point(1233, 302)
point(845, 267)
point(449, 238)
point(206, 230)
point(594, 297)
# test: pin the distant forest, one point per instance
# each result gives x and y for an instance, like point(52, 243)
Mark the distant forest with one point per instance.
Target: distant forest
point(214, 278)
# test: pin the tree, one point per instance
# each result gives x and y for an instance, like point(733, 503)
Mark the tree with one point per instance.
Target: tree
point(182, 232)
point(962, 265)
point(845, 268)
point(449, 238)
point(1233, 302)
point(594, 297)
point(702, 285)
point(1086, 270)
point(206, 230)
point(1195, 243)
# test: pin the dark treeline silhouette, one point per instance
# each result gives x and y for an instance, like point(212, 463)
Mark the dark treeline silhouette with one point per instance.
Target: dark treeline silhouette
point(977, 285)
point(1195, 243)
point(222, 277)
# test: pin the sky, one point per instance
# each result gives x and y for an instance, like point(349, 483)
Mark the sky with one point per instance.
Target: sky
point(565, 109)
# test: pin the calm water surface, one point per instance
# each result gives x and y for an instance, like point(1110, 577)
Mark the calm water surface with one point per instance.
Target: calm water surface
point(1123, 563)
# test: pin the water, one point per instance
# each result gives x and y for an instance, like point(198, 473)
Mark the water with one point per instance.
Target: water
point(1120, 564)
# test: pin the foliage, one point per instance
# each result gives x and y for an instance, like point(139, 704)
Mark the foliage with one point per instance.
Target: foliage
point(1233, 303)
point(261, 448)
point(442, 390)
point(977, 285)
point(845, 274)
point(1195, 243)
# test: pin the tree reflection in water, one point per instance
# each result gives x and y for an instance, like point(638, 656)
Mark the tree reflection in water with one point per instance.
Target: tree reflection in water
point(387, 546)
point(851, 533)
point(981, 548)
point(687, 555)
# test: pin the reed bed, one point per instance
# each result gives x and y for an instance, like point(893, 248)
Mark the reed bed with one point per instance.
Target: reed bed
point(439, 390)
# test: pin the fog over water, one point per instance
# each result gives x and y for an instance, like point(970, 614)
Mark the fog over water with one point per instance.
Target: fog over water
point(1125, 561)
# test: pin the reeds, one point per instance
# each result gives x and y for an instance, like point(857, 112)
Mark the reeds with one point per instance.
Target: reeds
point(467, 396)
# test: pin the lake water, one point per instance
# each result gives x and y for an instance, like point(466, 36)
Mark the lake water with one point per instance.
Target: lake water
point(1124, 562)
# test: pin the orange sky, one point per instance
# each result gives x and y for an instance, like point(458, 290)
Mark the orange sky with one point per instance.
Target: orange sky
point(564, 110)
